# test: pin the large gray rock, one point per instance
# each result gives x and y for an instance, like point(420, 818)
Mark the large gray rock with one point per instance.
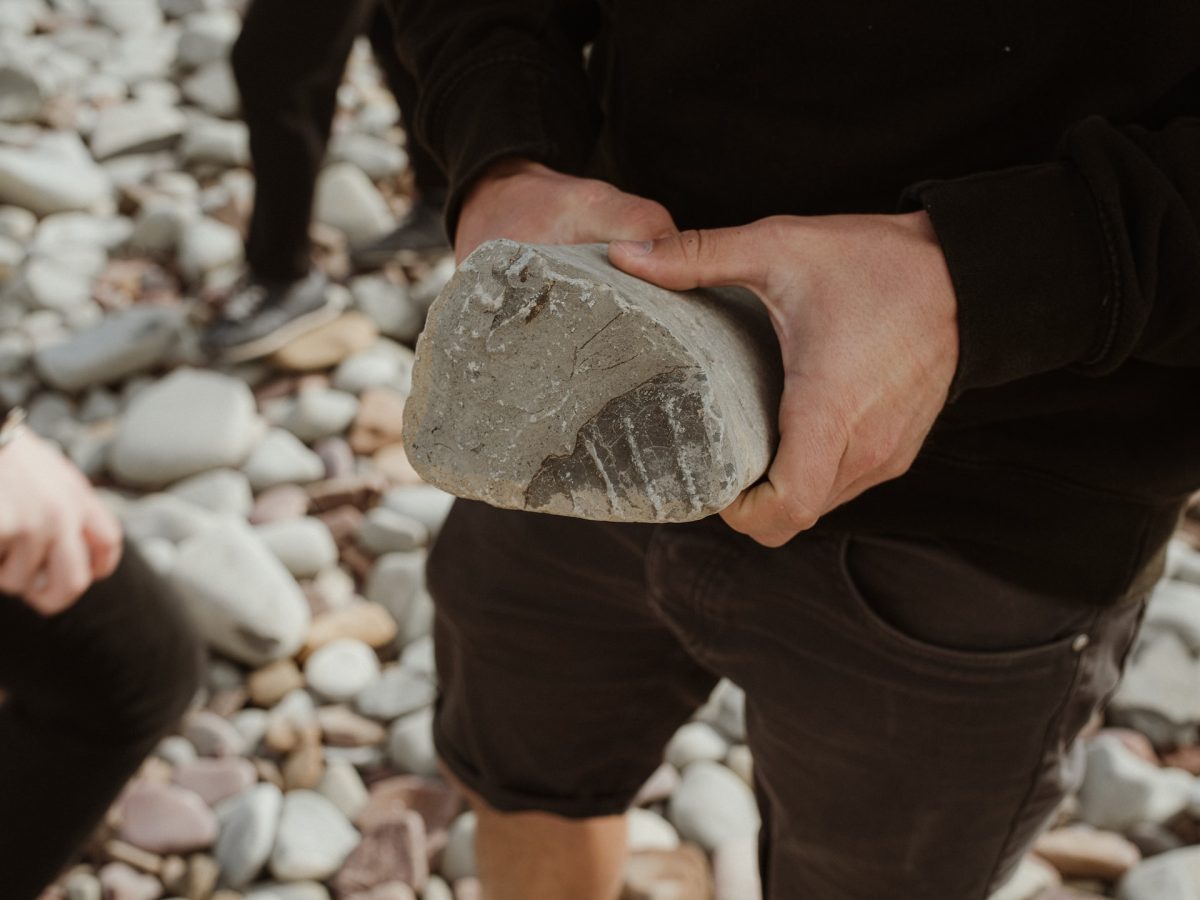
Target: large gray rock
point(547, 380)
point(188, 423)
point(241, 599)
point(123, 344)
point(135, 127)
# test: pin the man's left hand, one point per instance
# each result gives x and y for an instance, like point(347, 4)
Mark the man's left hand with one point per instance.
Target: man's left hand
point(866, 318)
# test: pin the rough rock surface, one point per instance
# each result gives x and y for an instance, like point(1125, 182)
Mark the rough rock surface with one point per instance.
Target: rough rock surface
point(547, 380)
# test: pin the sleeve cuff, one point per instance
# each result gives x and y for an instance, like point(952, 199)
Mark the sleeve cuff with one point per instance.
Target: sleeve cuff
point(508, 106)
point(1031, 271)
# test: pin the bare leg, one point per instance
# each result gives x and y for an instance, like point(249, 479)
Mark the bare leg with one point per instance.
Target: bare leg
point(539, 856)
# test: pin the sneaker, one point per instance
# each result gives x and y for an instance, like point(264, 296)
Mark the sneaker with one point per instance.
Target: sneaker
point(259, 317)
point(421, 231)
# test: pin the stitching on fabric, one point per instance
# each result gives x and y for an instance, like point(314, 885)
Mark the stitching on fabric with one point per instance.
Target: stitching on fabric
point(1118, 306)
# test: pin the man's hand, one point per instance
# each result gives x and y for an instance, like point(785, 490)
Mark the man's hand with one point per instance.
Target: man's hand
point(526, 201)
point(56, 537)
point(866, 318)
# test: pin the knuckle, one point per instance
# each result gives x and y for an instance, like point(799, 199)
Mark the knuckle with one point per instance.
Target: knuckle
point(799, 514)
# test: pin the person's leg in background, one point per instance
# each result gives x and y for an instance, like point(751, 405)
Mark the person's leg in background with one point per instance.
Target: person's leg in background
point(89, 694)
point(422, 228)
point(288, 61)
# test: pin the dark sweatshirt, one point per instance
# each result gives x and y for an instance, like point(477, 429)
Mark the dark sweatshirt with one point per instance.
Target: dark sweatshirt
point(1055, 146)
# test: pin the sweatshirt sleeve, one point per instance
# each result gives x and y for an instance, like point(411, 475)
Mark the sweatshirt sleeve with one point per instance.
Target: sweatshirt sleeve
point(1083, 262)
point(498, 78)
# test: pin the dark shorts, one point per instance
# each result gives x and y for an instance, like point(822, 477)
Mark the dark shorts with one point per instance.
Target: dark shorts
point(910, 715)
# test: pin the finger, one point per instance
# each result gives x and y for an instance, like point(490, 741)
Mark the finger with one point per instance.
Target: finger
point(68, 574)
point(684, 260)
point(627, 217)
point(102, 534)
point(25, 558)
point(800, 480)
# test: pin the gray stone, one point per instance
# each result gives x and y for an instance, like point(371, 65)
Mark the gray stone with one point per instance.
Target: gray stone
point(387, 531)
point(189, 422)
point(224, 491)
point(281, 458)
point(384, 365)
point(458, 859)
point(377, 157)
point(410, 744)
point(342, 669)
point(160, 224)
point(399, 691)
point(214, 90)
point(124, 343)
point(176, 749)
point(650, 831)
point(418, 657)
point(251, 724)
point(216, 141)
point(239, 596)
point(128, 16)
point(397, 583)
point(1169, 876)
point(249, 823)
point(165, 517)
point(15, 352)
point(343, 787)
point(11, 255)
point(16, 223)
point(694, 742)
point(206, 245)
point(41, 284)
point(1031, 880)
point(314, 838)
point(1121, 790)
point(21, 94)
point(207, 37)
point(319, 413)
point(548, 380)
point(425, 503)
point(713, 806)
point(348, 201)
point(1160, 693)
point(389, 306)
point(84, 886)
point(305, 546)
point(135, 127)
point(296, 890)
point(99, 405)
point(1174, 607)
point(213, 735)
point(437, 889)
point(1183, 562)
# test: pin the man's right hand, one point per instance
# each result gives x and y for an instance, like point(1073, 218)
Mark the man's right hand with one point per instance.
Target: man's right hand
point(526, 201)
point(56, 536)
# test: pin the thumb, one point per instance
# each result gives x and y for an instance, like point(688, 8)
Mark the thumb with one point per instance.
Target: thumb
point(696, 258)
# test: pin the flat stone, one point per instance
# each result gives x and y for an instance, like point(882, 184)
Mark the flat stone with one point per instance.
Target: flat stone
point(55, 175)
point(693, 742)
point(735, 870)
point(398, 692)
point(1079, 851)
point(366, 622)
point(418, 657)
point(283, 501)
point(348, 201)
point(342, 669)
point(549, 381)
point(123, 882)
point(239, 596)
point(659, 786)
point(214, 89)
point(45, 284)
point(387, 531)
point(295, 890)
point(650, 831)
point(214, 780)
point(438, 804)
point(165, 517)
point(1030, 881)
point(344, 788)
point(327, 345)
point(390, 306)
point(83, 886)
point(207, 37)
point(304, 767)
point(217, 142)
point(249, 823)
point(1170, 876)
point(1121, 790)
point(392, 851)
point(274, 681)
point(458, 859)
point(165, 818)
point(342, 727)
point(189, 422)
point(377, 157)
point(395, 583)
point(21, 94)
point(741, 762)
point(425, 503)
point(314, 838)
point(176, 749)
point(410, 744)
point(160, 225)
point(135, 126)
point(223, 491)
point(123, 344)
point(213, 735)
point(713, 806)
point(304, 545)
point(280, 458)
point(206, 245)
point(379, 421)
point(338, 457)
point(320, 413)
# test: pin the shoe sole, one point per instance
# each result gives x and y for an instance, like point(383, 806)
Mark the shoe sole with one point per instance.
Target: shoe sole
point(269, 343)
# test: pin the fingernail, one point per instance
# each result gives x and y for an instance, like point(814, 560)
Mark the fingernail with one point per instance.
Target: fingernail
point(634, 248)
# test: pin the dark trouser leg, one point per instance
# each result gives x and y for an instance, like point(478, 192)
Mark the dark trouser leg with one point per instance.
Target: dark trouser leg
point(90, 692)
point(909, 714)
point(427, 174)
point(289, 62)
